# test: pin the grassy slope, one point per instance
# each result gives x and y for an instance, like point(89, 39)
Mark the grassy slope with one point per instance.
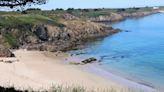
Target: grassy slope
point(105, 12)
point(35, 17)
point(15, 19)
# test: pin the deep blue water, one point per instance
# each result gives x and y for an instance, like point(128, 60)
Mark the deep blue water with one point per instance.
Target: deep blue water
point(138, 54)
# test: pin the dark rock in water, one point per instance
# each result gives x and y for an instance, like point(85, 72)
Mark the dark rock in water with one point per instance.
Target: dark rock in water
point(71, 54)
point(4, 52)
point(127, 31)
point(122, 56)
point(80, 53)
point(89, 60)
point(114, 57)
point(100, 60)
point(118, 30)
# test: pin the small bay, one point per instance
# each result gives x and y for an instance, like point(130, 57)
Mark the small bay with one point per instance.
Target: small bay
point(136, 53)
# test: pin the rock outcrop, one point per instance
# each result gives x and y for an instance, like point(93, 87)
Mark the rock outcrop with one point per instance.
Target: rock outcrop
point(89, 60)
point(47, 37)
point(4, 52)
point(114, 17)
point(138, 14)
point(52, 38)
point(50, 34)
point(111, 18)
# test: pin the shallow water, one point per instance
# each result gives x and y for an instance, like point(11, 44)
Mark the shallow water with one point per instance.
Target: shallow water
point(137, 53)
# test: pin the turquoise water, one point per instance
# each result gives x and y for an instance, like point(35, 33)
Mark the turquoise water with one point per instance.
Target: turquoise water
point(138, 54)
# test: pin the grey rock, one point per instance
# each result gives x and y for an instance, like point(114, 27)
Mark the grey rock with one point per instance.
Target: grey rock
point(41, 32)
point(89, 60)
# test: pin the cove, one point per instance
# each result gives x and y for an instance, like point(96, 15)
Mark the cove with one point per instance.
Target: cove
point(136, 53)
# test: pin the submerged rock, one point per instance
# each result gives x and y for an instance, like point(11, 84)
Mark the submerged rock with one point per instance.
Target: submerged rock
point(127, 31)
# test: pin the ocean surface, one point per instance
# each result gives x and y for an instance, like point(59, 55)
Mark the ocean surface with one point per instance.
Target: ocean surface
point(136, 53)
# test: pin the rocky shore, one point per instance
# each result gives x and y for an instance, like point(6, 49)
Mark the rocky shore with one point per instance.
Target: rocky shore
point(115, 17)
point(51, 38)
point(68, 33)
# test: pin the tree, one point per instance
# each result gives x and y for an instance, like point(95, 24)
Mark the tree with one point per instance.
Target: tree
point(70, 10)
point(59, 9)
point(33, 9)
point(15, 3)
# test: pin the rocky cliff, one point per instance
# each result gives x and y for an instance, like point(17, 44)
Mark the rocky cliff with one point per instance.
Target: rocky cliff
point(54, 31)
point(52, 38)
point(114, 17)
point(45, 36)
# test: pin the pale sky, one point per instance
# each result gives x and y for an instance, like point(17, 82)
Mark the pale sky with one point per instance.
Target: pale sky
point(53, 4)
point(100, 3)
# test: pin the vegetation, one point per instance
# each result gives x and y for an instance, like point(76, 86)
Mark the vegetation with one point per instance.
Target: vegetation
point(66, 89)
point(20, 24)
point(15, 20)
point(14, 3)
point(11, 39)
point(104, 12)
point(58, 17)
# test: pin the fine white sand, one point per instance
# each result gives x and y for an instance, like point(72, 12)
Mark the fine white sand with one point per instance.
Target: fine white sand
point(36, 70)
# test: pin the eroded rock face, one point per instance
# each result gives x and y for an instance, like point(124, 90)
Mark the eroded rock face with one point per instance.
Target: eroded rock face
point(4, 52)
point(41, 32)
point(114, 17)
point(47, 37)
point(111, 18)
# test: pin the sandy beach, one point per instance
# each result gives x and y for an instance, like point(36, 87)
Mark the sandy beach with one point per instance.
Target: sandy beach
point(40, 70)
point(37, 70)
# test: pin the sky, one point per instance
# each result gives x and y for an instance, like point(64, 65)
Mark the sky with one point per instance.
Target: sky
point(53, 4)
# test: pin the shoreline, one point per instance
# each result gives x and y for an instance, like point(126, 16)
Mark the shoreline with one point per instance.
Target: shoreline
point(96, 69)
point(40, 70)
point(124, 80)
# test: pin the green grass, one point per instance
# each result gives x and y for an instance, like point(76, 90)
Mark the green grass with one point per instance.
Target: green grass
point(11, 40)
point(104, 12)
point(90, 13)
point(20, 22)
point(16, 26)
point(11, 21)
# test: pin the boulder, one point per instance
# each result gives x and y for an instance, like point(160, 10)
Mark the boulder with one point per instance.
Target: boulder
point(4, 52)
point(89, 60)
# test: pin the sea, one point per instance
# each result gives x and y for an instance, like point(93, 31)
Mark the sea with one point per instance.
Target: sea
point(136, 53)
